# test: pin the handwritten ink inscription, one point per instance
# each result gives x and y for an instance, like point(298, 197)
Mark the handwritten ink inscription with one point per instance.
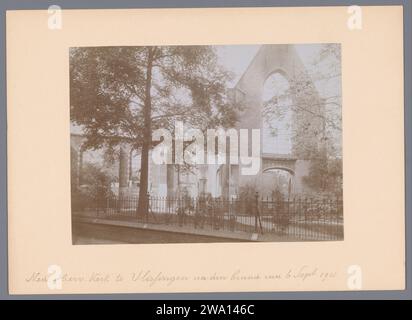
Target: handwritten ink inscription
point(153, 278)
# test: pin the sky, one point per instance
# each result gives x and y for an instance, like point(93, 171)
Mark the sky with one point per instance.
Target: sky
point(236, 58)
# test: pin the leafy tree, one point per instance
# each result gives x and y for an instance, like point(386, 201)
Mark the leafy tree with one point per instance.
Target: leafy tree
point(325, 176)
point(317, 119)
point(123, 93)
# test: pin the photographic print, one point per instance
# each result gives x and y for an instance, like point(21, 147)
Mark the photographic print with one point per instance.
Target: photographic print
point(225, 143)
point(205, 150)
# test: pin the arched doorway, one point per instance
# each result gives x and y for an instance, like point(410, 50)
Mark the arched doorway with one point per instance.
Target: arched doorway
point(278, 180)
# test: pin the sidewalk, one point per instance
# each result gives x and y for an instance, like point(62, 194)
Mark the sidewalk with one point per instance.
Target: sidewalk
point(230, 235)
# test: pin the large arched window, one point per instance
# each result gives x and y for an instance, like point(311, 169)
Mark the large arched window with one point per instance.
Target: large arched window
point(276, 116)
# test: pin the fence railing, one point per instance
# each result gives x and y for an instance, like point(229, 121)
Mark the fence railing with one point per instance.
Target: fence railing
point(300, 219)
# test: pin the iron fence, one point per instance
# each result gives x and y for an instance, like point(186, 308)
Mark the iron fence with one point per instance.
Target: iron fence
point(300, 219)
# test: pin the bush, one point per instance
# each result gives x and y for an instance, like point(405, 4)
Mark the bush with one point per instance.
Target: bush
point(94, 191)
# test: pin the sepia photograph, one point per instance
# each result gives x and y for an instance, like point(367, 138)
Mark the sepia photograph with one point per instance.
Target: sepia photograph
point(206, 152)
point(206, 143)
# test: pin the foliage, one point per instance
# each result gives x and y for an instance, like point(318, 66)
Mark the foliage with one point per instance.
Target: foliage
point(317, 119)
point(108, 91)
point(325, 176)
point(95, 188)
point(121, 94)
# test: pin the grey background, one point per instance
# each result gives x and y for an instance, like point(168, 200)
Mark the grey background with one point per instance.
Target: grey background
point(79, 4)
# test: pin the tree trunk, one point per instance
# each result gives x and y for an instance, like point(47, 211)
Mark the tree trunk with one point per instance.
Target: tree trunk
point(143, 206)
